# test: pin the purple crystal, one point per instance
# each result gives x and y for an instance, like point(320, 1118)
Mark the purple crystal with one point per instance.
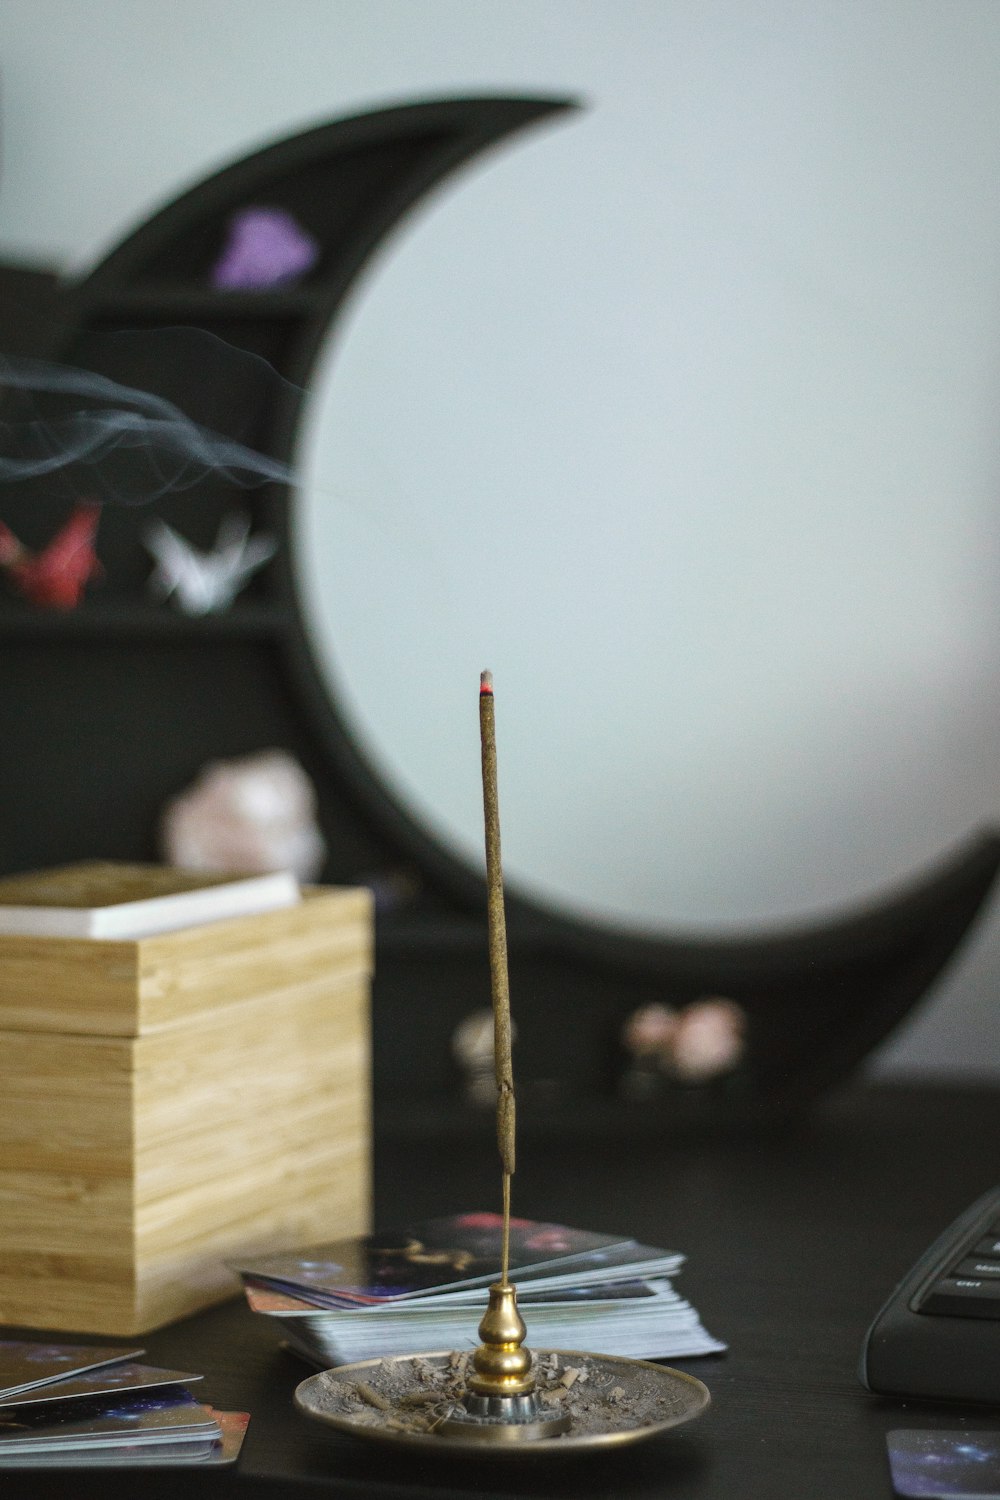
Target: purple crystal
point(266, 246)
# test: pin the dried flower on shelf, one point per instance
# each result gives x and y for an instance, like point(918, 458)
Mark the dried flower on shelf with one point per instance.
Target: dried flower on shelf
point(472, 1047)
point(699, 1043)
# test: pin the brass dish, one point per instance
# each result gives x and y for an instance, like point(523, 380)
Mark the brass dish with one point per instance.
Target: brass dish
point(664, 1397)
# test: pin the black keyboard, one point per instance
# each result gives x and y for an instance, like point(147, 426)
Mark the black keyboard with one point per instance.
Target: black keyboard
point(935, 1336)
point(965, 1279)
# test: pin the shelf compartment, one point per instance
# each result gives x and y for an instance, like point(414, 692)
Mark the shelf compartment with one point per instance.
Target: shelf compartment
point(138, 621)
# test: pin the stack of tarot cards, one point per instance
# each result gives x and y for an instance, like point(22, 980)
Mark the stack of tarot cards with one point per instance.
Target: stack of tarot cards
point(87, 1406)
point(424, 1288)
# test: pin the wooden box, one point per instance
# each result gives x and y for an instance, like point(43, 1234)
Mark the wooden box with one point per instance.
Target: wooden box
point(171, 1102)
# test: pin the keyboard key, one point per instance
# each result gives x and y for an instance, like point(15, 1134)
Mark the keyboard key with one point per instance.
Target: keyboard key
point(963, 1297)
point(986, 1269)
point(989, 1246)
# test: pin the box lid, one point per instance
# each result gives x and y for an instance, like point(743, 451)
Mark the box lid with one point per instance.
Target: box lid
point(95, 986)
point(111, 899)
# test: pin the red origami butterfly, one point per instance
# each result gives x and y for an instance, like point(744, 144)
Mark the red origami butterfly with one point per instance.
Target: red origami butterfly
point(55, 576)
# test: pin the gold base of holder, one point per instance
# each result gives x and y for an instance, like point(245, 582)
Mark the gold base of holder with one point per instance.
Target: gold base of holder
point(411, 1402)
point(504, 1419)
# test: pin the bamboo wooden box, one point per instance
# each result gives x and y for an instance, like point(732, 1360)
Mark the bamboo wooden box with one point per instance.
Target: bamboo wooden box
point(170, 1102)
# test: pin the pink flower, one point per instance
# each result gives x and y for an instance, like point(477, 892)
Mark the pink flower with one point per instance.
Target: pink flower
point(702, 1041)
point(649, 1031)
point(708, 1040)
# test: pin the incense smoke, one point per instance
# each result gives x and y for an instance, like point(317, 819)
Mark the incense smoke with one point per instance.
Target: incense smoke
point(126, 444)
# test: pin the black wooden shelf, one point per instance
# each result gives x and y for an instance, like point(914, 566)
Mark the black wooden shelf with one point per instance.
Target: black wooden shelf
point(134, 697)
point(413, 934)
point(573, 1117)
point(196, 303)
point(140, 621)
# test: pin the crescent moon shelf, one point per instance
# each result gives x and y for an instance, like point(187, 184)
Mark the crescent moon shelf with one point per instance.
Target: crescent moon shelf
point(817, 999)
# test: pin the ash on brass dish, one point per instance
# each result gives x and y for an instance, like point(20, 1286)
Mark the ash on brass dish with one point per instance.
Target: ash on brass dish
point(404, 1402)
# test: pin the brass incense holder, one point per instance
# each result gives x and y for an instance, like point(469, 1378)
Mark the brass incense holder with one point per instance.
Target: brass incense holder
point(501, 1402)
point(550, 1402)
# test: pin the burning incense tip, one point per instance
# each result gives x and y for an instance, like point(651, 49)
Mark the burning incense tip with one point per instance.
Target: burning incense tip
point(485, 683)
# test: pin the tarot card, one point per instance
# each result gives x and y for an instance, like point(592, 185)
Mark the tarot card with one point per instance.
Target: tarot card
point(233, 1425)
point(93, 1383)
point(605, 1291)
point(422, 1259)
point(196, 1453)
point(24, 1365)
point(131, 1417)
point(934, 1464)
point(263, 1299)
point(622, 1261)
point(122, 1454)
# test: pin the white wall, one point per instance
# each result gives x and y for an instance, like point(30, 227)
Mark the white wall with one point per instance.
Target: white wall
point(712, 372)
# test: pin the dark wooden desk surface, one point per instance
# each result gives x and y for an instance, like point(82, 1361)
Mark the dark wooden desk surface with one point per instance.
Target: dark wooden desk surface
point(793, 1242)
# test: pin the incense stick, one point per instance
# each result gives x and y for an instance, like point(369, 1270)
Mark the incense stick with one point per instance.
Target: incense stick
point(499, 982)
